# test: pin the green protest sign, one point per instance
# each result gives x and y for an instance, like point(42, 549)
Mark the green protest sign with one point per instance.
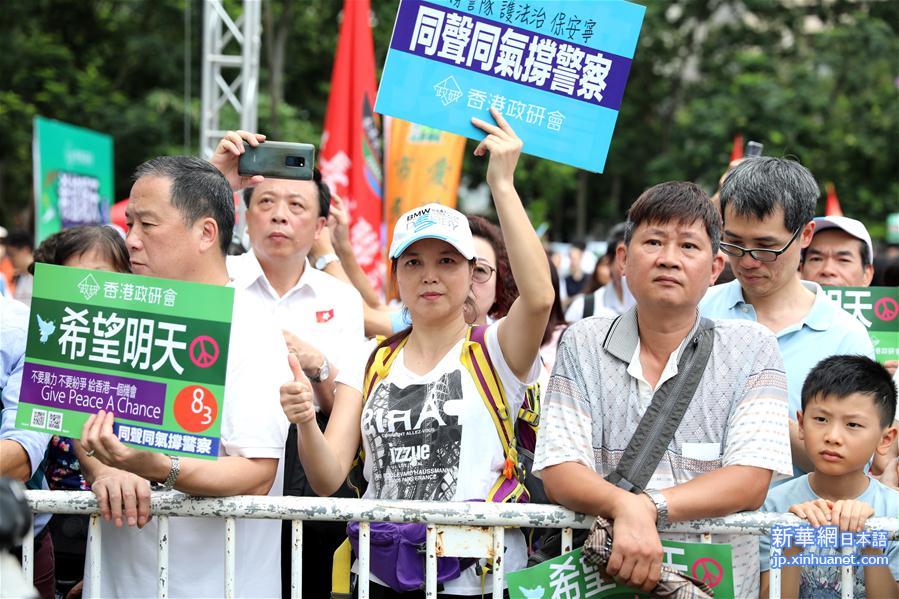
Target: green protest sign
point(569, 576)
point(878, 309)
point(152, 351)
point(73, 177)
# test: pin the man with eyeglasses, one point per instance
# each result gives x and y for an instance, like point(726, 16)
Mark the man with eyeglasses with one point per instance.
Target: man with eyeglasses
point(768, 206)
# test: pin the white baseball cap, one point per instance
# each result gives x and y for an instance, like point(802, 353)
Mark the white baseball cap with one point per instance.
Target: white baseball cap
point(432, 221)
point(848, 225)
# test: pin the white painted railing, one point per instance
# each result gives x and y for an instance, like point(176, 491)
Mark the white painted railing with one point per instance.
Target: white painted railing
point(454, 529)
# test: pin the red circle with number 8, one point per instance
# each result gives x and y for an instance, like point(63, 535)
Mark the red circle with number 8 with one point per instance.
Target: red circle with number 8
point(195, 408)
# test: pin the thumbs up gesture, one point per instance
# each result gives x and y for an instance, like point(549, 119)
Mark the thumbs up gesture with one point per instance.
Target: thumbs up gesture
point(296, 395)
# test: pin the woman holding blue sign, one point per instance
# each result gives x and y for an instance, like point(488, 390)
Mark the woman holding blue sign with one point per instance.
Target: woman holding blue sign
point(429, 398)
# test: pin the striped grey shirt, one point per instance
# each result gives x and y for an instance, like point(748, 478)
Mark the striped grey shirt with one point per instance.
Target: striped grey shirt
point(738, 415)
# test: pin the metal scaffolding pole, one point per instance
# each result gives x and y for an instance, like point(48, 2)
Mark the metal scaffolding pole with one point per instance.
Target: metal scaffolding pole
point(241, 37)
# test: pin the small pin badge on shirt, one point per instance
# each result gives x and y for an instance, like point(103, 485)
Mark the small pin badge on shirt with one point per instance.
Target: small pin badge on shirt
point(324, 315)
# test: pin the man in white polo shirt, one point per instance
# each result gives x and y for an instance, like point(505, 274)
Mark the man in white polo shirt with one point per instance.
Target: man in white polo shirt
point(180, 216)
point(321, 317)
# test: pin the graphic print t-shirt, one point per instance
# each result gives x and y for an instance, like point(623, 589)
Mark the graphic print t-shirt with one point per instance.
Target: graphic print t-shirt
point(431, 437)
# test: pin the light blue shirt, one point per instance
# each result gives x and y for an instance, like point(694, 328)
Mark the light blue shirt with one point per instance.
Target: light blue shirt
point(13, 337)
point(819, 581)
point(827, 330)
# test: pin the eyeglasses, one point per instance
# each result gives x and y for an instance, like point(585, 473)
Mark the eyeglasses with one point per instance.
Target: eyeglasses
point(762, 255)
point(482, 272)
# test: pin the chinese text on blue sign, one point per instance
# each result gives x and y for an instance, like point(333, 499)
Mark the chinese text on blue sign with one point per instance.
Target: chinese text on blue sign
point(556, 70)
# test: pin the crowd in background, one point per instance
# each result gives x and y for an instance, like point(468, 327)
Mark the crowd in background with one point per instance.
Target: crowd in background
point(322, 366)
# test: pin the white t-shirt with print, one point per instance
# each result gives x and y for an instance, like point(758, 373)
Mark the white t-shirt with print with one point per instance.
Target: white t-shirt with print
point(253, 426)
point(431, 437)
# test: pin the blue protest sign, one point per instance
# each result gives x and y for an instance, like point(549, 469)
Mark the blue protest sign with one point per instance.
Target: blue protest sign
point(556, 69)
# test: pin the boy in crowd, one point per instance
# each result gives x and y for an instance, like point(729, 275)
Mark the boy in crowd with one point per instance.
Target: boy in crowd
point(848, 406)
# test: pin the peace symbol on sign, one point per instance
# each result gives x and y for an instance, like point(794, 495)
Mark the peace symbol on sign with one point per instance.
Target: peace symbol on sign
point(708, 571)
point(886, 308)
point(204, 351)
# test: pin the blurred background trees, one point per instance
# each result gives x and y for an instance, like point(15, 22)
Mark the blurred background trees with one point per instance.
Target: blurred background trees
point(814, 79)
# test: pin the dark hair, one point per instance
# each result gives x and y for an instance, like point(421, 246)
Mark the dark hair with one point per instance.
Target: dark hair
point(757, 186)
point(863, 252)
point(675, 200)
point(19, 239)
point(579, 245)
point(198, 190)
point(616, 236)
point(61, 246)
point(506, 289)
point(556, 314)
point(606, 259)
point(324, 194)
point(841, 376)
point(891, 273)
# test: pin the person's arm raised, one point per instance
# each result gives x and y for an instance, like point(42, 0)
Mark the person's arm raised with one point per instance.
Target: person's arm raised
point(226, 157)
point(336, 239)
point(327, 457)
point(522, 331)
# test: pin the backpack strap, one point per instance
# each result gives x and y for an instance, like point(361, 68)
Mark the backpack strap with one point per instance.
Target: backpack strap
point(529, 414)
point(380, 366)
point(509, 487)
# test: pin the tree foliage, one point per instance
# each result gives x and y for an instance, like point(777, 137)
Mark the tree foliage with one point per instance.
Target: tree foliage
point(813, 80)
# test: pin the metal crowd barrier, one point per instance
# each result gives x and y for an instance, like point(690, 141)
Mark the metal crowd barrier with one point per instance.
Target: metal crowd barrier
point(469, 529)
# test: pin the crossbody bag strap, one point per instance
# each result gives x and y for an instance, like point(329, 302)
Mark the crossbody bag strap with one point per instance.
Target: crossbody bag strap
point(589, 305)
point(664, 414)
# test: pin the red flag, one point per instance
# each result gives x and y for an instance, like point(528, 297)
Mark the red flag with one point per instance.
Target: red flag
point(737, 151)
point(350, 158)
point(832, 205)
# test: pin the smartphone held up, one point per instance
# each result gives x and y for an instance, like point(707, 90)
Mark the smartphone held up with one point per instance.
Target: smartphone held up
point(278, 159)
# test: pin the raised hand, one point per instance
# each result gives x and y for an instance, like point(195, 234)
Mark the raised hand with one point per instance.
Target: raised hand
point(296, 395)
point(503, 146)
point(227, 156)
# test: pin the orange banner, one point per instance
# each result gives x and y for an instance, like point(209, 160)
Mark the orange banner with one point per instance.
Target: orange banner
point(423, 165)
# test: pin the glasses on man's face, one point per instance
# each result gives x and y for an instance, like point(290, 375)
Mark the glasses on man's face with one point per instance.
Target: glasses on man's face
point(482, 272)
point(762, 255)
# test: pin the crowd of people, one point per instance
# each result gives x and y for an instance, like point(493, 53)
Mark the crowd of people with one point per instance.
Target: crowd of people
point(661, 389)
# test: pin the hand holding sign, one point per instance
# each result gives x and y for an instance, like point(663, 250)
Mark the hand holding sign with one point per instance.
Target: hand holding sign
point(99, 441)
point(504, 148)
point(296, 396)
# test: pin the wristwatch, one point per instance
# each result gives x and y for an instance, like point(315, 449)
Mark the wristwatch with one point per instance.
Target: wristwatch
point(658, 498)
point(169, 482)
point(324, 371)
point(324, 260)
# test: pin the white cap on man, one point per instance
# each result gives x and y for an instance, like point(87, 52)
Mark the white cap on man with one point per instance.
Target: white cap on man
point(848, 225)
point(432, 221)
